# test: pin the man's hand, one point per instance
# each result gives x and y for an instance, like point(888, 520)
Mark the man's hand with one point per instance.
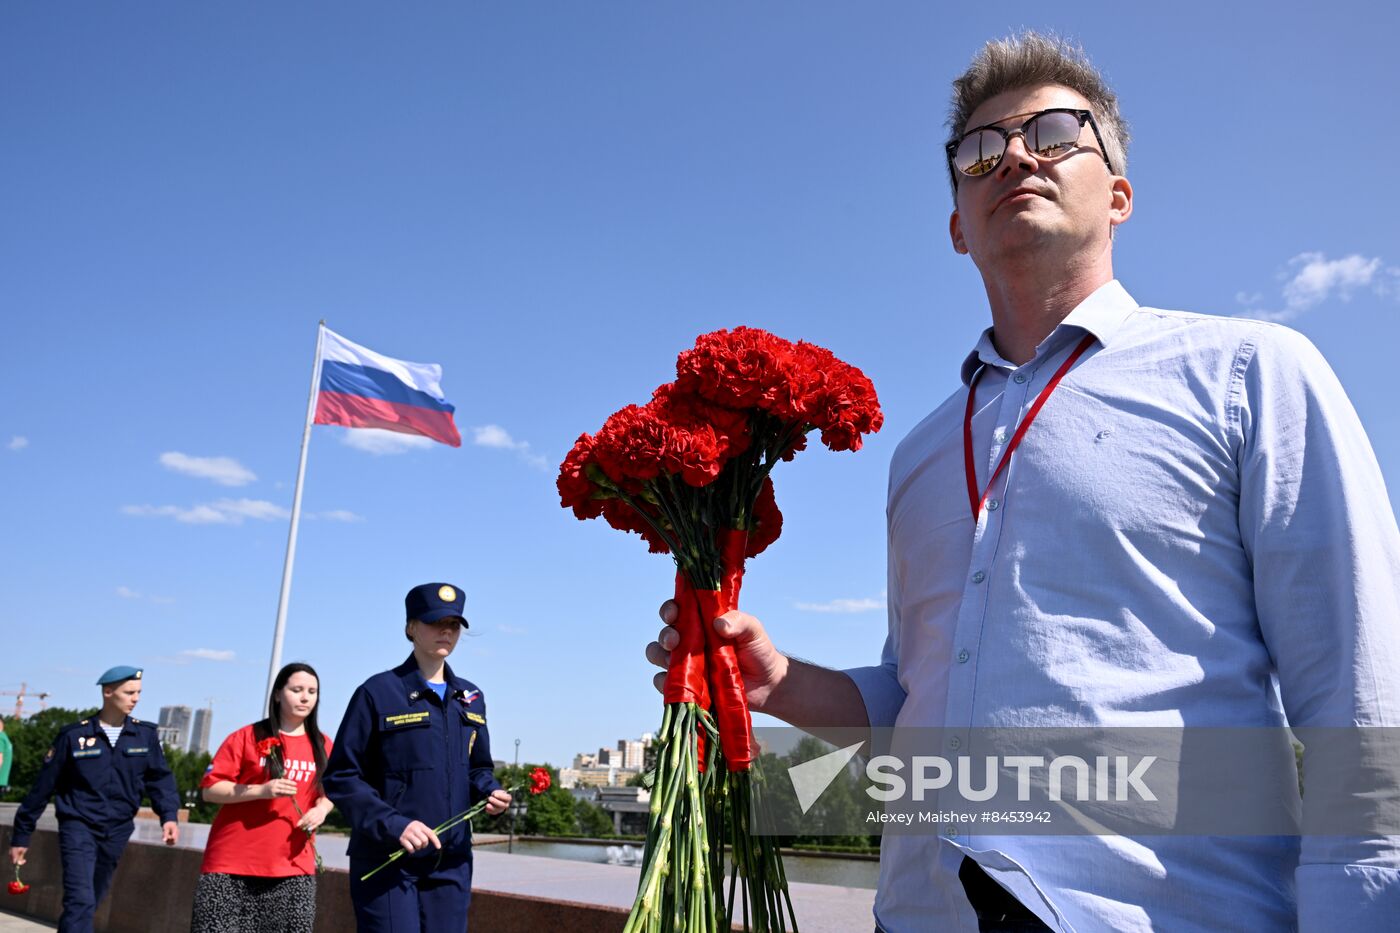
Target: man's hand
point(17, 854)
point(762, 666)
point(278, 787)
point(497, 802)
point(417, 835)
point(170, 832)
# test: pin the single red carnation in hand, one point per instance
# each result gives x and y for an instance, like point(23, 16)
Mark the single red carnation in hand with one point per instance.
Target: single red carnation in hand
point(266, 747)
point(18, 887)
point(539, 781)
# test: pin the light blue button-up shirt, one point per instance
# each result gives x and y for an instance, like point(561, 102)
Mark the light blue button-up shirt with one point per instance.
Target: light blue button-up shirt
point(1193, 532)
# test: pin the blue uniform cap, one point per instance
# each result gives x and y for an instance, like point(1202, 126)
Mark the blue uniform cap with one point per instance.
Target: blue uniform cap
point(118, 674)
point(433, 602)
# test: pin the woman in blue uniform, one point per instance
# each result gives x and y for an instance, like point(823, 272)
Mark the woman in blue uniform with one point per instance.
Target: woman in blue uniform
point(412, 752)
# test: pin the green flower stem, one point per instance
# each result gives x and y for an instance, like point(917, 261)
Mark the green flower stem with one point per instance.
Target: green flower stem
point(465, 816)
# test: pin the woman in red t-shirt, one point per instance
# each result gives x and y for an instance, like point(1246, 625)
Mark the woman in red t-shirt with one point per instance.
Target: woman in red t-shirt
point(259, 872)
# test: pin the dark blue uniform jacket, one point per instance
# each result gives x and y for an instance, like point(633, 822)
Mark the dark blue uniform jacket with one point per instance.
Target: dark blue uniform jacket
point(402, 754)
point(98, 784)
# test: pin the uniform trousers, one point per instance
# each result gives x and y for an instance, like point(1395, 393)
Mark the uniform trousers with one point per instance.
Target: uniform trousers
point(425, 895)
point(89, 860)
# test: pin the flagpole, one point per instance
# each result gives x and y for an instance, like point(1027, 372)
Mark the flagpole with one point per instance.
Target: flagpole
point(276, 663)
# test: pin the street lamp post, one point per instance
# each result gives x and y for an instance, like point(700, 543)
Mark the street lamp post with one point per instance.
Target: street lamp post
point(514, 806)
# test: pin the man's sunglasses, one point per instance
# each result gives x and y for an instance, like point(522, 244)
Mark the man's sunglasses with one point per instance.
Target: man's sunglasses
point(1048, 134)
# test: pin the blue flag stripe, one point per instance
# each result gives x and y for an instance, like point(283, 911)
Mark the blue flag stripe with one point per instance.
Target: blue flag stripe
point(375, 383)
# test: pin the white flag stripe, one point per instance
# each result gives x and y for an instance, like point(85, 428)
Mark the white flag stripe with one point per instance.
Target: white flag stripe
point(425, 377)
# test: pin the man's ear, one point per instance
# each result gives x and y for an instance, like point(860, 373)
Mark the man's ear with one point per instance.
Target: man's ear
point(955, 234)
point(1120, 204)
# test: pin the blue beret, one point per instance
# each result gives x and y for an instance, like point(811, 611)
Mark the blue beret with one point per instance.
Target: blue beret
point(118, 674)
point(432, 602)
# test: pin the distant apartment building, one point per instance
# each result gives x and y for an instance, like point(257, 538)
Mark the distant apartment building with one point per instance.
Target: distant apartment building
point(176, 719)
point(631, 752)
point(168, 735)
point(199, 737)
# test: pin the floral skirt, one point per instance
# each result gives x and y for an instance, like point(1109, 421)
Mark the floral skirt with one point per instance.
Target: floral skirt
point(250, 904)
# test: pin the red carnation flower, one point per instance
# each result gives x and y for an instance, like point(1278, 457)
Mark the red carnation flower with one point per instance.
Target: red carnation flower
point(266, 747)
point(539, 781)
point(17, 886)
point(766, 521)
point(576, 490)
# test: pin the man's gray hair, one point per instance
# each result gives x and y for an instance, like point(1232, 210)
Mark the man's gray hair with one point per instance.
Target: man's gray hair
point(1031, 58)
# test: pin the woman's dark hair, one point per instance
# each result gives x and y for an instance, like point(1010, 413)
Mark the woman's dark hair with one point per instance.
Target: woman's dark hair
point(272, 725)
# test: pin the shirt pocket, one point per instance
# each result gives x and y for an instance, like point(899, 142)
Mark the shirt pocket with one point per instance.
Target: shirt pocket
point(408, 742)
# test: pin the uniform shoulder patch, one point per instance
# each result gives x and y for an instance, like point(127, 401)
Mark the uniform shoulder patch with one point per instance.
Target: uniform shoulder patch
point(476, 717)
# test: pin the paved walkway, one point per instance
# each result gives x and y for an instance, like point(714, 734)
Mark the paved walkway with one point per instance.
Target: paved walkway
point(17, 923)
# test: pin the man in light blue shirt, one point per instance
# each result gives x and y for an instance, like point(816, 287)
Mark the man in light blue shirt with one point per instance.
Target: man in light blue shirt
point(1191, 531)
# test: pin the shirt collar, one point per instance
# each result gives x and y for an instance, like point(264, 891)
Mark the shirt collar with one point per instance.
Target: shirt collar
point(417, 685)
point(1101, 314)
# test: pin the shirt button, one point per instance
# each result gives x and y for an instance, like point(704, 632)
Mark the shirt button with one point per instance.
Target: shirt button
point(955, 742)
point(1019, 378)
point(993, 505)
point(978, 577)
point(963, 656)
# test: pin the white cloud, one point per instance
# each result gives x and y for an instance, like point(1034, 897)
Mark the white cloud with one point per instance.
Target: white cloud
point(219, 512)
point(225, 471)
point(493, 435)
point(17, 442)
point(1312, 279)
point(126, 592)
point(844, 605)
point(379, 442)
point(207, 654)
point(338, 515)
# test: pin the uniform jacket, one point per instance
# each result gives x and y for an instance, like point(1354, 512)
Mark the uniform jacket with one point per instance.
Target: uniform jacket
point(100, 785)
point(402, 754)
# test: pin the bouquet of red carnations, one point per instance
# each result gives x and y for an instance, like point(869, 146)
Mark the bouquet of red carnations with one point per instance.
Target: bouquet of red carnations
point(689, 472)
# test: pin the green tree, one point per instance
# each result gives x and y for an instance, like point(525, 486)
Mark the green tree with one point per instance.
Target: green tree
point(550, 813)
point(189, 770)
point(32, 738)
point(592, 821)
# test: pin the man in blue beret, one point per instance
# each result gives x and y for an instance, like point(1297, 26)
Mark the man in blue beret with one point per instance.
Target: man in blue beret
point(98, 770)
point(411, 753)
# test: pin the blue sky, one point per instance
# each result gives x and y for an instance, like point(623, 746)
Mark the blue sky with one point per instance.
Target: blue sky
point(551, 200)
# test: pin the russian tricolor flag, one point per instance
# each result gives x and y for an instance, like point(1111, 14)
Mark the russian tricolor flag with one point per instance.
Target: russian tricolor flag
point(363, 389)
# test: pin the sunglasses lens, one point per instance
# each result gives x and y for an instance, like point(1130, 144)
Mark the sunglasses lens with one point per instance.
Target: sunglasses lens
point(979, 152)
point(1052, 134)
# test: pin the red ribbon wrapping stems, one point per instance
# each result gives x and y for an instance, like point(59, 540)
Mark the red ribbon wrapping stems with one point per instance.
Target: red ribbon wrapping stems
point(702, 651)
point(731, 704)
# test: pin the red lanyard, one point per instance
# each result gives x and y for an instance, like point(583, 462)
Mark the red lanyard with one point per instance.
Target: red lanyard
point(977, 502)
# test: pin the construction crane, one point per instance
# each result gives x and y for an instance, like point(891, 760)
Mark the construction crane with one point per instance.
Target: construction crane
point(19, 699)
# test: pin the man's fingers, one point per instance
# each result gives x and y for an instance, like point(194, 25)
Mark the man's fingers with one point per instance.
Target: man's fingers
point(740, 625)
point(669, 612)
point(433, 837)
point(658, 656)
point(659, 681)
point(668, 638)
